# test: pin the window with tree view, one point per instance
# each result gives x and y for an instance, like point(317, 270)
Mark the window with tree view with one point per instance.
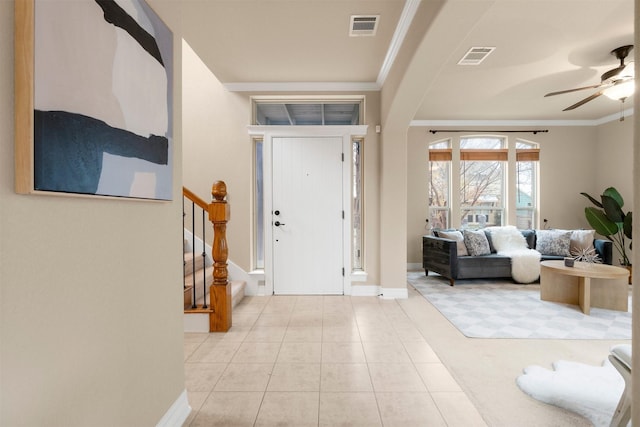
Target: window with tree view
point(483, 178)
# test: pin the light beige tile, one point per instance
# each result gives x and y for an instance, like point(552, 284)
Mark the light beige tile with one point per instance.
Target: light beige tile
point(237, 332)
point(340, 334)
point(295, 409)
point(375, 334)
point(306, 318)
point(276, 319)
point(238, 409)
point(339, 320)
point(245, 318)
point(245, 377)
point(257, 352)
point(457, 410)
point(349, 409)
point(421, 352)
point(345, 377)
point(195, 337)
point(342, 352)
point(300, 352)
point(395, 377)
point(266, 334)
point(408, 333)
point(385, 352)
point(189, 348)
point(437, 377)
point(303, 334)
point(202, 376)
point(405, 409)
point(195, 399)
point(214, 352)
point(295, 377)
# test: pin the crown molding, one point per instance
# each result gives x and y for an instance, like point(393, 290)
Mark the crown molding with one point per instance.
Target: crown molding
point(518, 123)
point(408, 13)
point(302, 87)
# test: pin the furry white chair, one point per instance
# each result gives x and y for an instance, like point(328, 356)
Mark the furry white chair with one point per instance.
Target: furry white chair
point(620, 358)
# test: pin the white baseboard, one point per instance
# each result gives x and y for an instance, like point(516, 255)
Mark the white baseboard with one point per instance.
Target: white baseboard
point(394, 293)
point(365, 290)
point(177, 413)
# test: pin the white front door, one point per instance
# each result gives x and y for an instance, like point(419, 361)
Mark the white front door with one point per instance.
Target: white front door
point(307, 215)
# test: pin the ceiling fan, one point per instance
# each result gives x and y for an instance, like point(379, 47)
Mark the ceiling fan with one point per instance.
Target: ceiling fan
point(617, 83)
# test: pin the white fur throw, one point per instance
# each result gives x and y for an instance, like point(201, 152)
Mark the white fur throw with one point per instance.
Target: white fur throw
point(525, 262)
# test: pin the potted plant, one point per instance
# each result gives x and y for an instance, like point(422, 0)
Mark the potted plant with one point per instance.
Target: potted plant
point(609, 220)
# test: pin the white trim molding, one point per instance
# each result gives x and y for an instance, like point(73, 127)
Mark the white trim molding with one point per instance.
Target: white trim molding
point(177, 414)
point(302, 87)
point(479, 123)
point(394, 293)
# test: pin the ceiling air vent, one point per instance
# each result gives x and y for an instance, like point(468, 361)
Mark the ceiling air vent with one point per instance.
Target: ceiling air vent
point(363, 25)
point(475, 55)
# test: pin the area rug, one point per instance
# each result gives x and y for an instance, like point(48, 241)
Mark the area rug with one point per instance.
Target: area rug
point(502, 309)
point(590, 391)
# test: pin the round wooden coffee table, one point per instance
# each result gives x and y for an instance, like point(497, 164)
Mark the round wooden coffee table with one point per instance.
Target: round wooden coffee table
point(585, 284)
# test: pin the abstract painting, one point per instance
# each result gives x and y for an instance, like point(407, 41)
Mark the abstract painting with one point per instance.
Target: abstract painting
point(102, 99)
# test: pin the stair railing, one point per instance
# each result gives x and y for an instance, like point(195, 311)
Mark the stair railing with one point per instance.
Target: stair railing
point(220, 290)
point(204, 208)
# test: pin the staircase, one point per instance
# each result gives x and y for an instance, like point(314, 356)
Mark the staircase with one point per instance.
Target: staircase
point(206, 279)
point(202, 271)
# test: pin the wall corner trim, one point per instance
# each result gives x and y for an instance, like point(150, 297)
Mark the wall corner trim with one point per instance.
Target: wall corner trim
point(177, 414)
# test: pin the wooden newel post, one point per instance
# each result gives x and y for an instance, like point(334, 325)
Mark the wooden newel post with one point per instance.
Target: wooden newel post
point(220, 294)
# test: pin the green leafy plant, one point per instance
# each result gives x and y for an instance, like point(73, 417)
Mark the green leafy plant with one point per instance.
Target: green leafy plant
point(609, 220)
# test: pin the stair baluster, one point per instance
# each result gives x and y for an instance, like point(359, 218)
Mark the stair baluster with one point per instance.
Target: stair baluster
point(193, 258)
point(204, 261)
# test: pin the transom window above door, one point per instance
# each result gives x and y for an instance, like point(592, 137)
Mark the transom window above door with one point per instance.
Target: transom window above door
point(307, 112)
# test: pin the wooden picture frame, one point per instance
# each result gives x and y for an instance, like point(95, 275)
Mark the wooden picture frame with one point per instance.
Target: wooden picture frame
point(93, 99)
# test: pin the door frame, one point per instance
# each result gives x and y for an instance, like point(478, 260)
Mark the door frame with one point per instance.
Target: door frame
point(268, 133)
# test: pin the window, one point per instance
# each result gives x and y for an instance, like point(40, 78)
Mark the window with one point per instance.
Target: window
point(356, 206)
point(440, 177)
point(482, 166)
point(526, 179)
point(484, 182)
point(258, 219)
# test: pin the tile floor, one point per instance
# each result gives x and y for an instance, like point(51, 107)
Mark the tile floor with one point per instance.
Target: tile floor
point(320, 361)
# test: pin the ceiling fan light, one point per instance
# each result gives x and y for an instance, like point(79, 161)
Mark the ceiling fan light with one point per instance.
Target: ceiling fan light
point(620, 91)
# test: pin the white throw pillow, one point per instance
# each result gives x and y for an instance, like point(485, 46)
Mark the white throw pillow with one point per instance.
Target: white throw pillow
point(507, 238)
point(457, 236)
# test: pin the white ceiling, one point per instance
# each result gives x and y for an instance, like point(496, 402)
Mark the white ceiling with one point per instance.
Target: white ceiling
point(541, 46)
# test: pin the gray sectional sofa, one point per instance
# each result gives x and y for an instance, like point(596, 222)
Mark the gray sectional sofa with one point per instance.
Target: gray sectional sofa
point(440, 255)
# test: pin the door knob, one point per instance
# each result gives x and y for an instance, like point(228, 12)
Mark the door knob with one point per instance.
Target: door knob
point(278, 223)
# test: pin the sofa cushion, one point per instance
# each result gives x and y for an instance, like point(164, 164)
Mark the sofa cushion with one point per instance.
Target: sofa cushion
point(553, 242)
point(458, 237)
point(476, 242)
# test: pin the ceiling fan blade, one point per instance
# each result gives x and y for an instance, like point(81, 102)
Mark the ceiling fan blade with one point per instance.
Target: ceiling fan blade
point(573, 90)
point(584, 101)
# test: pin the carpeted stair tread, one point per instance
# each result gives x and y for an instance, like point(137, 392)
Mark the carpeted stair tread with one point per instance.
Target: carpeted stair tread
point(189, 261)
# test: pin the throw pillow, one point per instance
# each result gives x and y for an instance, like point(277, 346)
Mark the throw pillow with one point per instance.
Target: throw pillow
point(457, 236)
point(507, 238)
point(553, 242)
point(581, 241)
point(476, 242)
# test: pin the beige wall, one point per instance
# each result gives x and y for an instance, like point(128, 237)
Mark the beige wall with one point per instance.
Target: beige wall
point(217, 146)
point(572, 160)
point(91, 316)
